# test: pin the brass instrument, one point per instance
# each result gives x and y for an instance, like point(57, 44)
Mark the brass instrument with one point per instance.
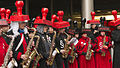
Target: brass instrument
point(50, 59)
point(7, 57)
point(28, 48)
point(66, 48)
point(33, 53)
point(73, 55)
point(104, 40)
point(89, 51)
point(37, 60)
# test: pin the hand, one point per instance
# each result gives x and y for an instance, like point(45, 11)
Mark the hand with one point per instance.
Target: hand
point(70, 48)
point(24, 57)
point(95, 31)
point(105, 47)
point(33, 43)
point(68, 42)
point(11, 54)
point(62, 51)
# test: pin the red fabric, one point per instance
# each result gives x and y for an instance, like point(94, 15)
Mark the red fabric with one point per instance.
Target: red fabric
point(35, 26)
point(24, 43)
point(63, 65)
point(3, 49)
point(74, 65)
point(81, 48)
point(19, 55)
point(102, 61)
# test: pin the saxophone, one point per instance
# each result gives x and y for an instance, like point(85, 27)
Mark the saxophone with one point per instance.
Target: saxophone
point(104, 40)
point(89, 51)
point(73, 54)
point(7, 57)
point(37, 60)
point(65, 55)
point(50, 59)
point(28, 48)
point(33, 53)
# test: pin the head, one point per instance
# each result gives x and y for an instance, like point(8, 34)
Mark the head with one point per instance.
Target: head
point(84, 34)
point(5, 28)
point(76, 35)
point(45, 28)
point(50, 30)
point(93, 26)
point(118, 27)
point(62, 30)
point(22, 25)
point(102, 33)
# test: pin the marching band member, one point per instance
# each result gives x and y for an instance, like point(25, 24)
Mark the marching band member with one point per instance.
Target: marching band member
point(3, 45)
point(103, 44)
point(116, 38)
point(73, 41)
point(94, 26)
point(45, 41)
point(21, 41)
point(84, 50)
point(60, 40)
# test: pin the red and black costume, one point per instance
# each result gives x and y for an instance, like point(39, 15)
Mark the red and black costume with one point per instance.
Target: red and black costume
point(116, 38)
point(103, 44)
point(81, 48)
point(20, 48)
point(3, 44)
point(60, 42)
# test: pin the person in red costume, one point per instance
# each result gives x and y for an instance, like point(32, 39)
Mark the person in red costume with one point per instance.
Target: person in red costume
point(3, 48)
point(103, 44)
point(3, 45)
point(73, 55)
point(82, 48)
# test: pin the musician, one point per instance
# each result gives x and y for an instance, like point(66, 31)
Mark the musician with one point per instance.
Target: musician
point(50, 39)
point(73, 41)
point(82, 47)
point(45, 38)
point(60, 41)
point(22, 39)
point(94, 26)
point(116, 39)
point(102, 54)
point(3, 45)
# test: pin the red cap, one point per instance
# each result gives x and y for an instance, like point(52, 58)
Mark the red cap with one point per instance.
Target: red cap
point(3, 21)
point(19, 16)
point(60, 23)
point(53, 18)
point(116, 20)
point(7, 15)
point(93, 21)
point(2, 12)
point(43, 20)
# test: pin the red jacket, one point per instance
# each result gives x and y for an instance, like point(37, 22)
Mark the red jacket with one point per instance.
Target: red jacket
point(99, 43)
point(82, 45)
point(3, 50)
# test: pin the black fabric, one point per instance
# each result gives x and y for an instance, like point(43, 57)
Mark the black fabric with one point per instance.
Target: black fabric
point(92, 35)
point(42, 49)
point(15, 53)
point(60, 44)
point(116, 38)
